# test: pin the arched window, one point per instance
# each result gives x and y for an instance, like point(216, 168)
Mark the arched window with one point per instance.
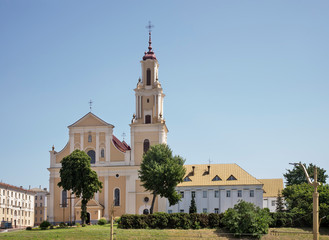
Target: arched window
point(64, 198)
point(102, 153)
point(146, 145)
point(145, 211)
point(117, 197)
point(148, 77)
point(90, 138)
point(148, 119)
point(91, 154)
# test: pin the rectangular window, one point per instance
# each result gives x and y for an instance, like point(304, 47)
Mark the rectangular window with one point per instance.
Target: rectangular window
point(40, 211)
point(182, 194)
point(228, 193)
point(40, 204)
point(216, 194)
point(36, 204)
point(204, 194)
point(36, 197)
point(273, 203)
point(40, 197)
point(169, 211)
point(204, 210)
point(193, 193)
point(216, 210)
point(182, 210)
point(41, 219)
point(252, 193)
point(36, 212)
point(36, 219)
point(239, 193)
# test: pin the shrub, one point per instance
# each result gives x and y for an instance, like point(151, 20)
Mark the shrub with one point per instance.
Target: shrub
point(83, 225)
point(246, 218)
point(102, 221)
point(44, 225)
point(62, 225)
point(117, 220)
point(157, 220)
point(78, 225)
point(51, 226)
point(29, 228)
point(214, 220)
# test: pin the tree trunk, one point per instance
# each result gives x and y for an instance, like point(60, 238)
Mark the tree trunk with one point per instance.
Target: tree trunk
point(83, 210)
point(152, 205)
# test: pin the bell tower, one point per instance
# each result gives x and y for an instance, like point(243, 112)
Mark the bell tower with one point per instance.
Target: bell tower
point(148, 126)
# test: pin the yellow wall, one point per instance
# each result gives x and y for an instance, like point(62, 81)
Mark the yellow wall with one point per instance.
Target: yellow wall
point(116, 155)
point(153, 137)
point(63, 153)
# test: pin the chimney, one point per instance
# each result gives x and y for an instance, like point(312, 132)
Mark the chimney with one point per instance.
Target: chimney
point(29, 187)
point(20, 186)
point(193, 167)
point(208, 169)
point(40, 186)
point(45, 189)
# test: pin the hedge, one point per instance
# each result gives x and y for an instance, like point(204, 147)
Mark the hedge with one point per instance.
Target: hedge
point(173, 220)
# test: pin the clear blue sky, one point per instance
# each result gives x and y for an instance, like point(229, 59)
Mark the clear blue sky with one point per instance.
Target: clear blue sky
point(246, 82)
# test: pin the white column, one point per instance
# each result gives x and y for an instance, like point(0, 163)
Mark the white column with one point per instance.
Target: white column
point(106, 197)
point(136, 106)
point(97, 196)
point(81, 140)
point(71, 142)
point(50, 208)
point(97, 147)
point(72, 207)
point(158, 105)
point(107, 146)
point(140, 106)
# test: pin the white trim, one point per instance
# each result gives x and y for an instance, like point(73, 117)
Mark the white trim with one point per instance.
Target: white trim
point(106, 197)
point(97, 148)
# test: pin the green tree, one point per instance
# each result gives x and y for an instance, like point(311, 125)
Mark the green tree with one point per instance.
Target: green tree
point(76, 175)
point(299, 199)
point(246, 218)
point(193, 205)
point(279, 203)
point(160, 172)
point(297, 175)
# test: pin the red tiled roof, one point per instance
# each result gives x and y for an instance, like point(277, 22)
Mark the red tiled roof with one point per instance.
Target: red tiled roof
point(122, 146)
point(8, 186)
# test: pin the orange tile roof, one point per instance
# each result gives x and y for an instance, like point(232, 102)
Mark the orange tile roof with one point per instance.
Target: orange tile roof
point(272, 186)
point(12, 187)
point(224, 171)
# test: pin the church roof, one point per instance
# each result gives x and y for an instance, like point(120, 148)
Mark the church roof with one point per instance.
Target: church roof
point(122, 146)
point(272, 186)
point(228, 175)
point(90, 119)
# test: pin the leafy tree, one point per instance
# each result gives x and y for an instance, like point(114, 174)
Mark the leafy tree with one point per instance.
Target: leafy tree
point(246, 218)
point(299, 199)
point(193, 205)
point(160, 173)
point(279, 203)
point(77, 176)
point(297, 175)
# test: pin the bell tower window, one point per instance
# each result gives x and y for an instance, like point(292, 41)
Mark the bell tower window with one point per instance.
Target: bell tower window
point(148, 77)
point(147, 119)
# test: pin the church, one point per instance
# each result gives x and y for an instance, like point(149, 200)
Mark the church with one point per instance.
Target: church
point(117, 163)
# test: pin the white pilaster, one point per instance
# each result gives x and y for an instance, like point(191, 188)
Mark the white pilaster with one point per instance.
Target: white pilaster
point(158, 112)
point(106, 197)
point(71, 142)
point(81, 141)
point(107, 146)
point(72, 207)
point(50, 207)
point(97, 147)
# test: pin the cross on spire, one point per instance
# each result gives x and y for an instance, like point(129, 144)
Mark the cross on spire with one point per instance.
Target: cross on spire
point(149, 27)
point(90, 105)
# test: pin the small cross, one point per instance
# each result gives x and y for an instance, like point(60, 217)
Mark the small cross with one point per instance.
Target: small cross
point(150, 26)
point(209, 161)
point(90, 104)
point(123, 136)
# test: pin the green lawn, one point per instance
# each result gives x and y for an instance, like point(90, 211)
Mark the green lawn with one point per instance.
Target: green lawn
point(103, 232)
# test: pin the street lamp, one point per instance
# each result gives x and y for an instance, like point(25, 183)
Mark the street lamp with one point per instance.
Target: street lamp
point(315, 184)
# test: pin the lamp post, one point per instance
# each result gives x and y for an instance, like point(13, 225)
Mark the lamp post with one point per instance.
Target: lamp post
point(315, 184)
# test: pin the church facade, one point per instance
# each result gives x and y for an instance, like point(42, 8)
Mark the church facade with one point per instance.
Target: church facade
point(115, 162)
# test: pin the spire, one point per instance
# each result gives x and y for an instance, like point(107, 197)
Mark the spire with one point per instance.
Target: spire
point(150, 54)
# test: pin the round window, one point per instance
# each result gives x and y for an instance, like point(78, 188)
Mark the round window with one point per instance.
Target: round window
point(146, 199)
point(117, 175)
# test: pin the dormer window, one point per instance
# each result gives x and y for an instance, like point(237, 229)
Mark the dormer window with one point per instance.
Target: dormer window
point(90, 138)
point(231, 178)
point(187, 179)
point(216, 178)
point(148, 77)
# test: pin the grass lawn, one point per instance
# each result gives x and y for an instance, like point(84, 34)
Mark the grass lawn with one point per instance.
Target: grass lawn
point(103, 232)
